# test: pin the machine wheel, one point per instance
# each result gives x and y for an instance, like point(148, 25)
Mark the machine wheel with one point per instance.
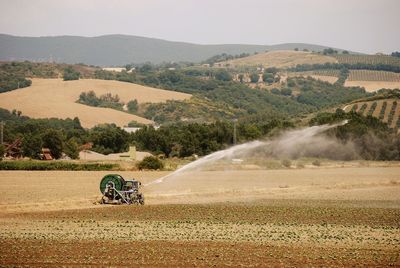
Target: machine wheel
point(141, 200)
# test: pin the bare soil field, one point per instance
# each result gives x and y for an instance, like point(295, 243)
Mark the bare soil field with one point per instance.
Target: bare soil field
point(57, 98)
point(337, 216)
point(372, 86)
point(281, 59)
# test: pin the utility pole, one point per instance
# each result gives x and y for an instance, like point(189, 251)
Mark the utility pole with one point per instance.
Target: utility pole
point(234, 131)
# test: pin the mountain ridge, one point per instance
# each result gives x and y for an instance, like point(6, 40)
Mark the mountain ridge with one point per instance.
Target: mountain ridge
point(119, 49)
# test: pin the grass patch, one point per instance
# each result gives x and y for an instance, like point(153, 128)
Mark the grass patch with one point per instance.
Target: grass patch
point(55, 165)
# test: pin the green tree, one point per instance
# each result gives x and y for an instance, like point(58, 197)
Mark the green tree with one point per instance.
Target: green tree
point(145, 68)
point(223, 75)
point(108, 138)
point(268, 77)
point(286, 91)
point(53, 139)
point(150, 162)
point(71, 148)
point(254, 77)
point(32, 145)
point(271, 70)
point(71, 74)
point(329, 51)
point(396, 54)
point(275, 91)
point(133, 106)
point(2, 151)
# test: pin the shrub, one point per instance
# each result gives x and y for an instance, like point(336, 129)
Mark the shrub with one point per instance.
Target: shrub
point(223, 75)
point(71, 74)
point(2, 151)
point(54, 165)
point(133, 106)
point(286, 163)
point(150, 162)
point(316, 163)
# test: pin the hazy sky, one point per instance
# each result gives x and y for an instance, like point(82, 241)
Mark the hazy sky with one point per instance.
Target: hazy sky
point(362, 25)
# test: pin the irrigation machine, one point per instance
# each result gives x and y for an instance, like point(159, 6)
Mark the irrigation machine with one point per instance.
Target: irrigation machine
point(116, 190)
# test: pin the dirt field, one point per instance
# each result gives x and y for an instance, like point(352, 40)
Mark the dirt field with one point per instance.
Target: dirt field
point(57, 98)
point(281, 59)
point(290, 217)
point(372, 86)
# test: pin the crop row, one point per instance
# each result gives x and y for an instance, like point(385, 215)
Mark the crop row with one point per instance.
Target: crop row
point(387, 111)
point(391, 114)
point(368, 59)
point(368, 75)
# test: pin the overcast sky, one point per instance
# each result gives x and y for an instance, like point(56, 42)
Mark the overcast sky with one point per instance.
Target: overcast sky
point(360, 25)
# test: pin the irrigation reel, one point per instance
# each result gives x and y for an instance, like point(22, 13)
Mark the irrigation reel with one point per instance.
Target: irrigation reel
point(116, 190)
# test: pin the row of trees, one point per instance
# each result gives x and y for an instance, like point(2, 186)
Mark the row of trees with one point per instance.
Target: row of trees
point(340, 66)
point(61, 136)
point(107, 101)
point(224, 57)
point(371, 138)
point(182, 140)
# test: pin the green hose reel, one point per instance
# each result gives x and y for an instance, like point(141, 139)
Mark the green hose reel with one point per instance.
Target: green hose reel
point(118, 181)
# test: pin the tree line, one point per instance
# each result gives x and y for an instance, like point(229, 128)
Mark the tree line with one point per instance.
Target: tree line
point(374, 140)
point(339, 66)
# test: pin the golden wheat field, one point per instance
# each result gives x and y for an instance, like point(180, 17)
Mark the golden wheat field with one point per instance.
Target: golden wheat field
point(281, 59)
point(56, 98)
point(321, 216)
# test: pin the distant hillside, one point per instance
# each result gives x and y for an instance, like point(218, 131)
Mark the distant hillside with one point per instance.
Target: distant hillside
point(387, 110)
point(281, 59)
point(118, 50)
point(48, 98)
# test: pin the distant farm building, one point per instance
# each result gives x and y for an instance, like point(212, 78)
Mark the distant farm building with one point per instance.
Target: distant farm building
point(46, 154)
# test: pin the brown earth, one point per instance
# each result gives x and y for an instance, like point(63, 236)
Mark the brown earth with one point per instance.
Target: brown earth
point(289, 217)
point(48, 98)
point(372, 86)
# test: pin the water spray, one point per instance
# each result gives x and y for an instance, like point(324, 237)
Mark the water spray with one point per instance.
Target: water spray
point(288, 139)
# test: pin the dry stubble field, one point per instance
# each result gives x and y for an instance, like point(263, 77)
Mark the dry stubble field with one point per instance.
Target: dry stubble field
point(55, 98)
point(291, 217)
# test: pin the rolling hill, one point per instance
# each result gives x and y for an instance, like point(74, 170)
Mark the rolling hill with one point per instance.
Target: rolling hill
point(373, 80)
point(281, 59)
point(118, 50)
point(48, 98)
point(387, 110)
